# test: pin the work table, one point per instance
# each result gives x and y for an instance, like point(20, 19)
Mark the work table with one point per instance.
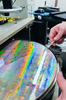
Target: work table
point(10, 29)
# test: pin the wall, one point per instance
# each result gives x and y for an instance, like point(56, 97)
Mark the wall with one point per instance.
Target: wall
point(23, 13)
point(62, 5)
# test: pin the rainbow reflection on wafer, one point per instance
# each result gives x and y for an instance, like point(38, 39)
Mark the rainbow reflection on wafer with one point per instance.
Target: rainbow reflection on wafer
point(27, 69)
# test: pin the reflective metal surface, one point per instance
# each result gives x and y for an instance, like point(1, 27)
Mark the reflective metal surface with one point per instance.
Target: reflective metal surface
point(27, 70)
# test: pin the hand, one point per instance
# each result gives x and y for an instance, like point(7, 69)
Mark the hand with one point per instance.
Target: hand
point(62, 85)
point(57, 33)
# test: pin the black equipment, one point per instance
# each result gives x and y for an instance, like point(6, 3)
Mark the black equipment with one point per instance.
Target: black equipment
point(43, 22)
point(59, 15)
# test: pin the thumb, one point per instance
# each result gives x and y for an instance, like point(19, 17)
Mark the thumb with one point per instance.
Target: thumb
point(58, 36)
point(61, 81)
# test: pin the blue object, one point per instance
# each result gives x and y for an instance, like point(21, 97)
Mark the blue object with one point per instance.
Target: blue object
point(44, 14)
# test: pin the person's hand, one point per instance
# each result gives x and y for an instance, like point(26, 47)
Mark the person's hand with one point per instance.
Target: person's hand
point(62, 85)
point(57, 33)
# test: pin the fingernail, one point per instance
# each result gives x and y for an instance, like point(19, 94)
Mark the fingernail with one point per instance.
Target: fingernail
point(55, 38)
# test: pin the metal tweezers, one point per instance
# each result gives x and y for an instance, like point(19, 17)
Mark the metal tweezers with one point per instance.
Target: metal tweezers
point(48, 46)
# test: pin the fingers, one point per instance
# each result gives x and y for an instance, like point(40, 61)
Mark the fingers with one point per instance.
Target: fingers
point(60, 41)
point(61, 81)
point(56, 33)
point(58, 36)
point(52, 34)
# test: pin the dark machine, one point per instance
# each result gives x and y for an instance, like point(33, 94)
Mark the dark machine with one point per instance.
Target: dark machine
point(43, 22)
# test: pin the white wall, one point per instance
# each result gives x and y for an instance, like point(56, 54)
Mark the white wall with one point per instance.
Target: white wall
point(62, 5)
point(34, 4)
point(23, 13)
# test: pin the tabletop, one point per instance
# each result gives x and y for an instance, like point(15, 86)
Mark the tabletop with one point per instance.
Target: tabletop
point(8, 30)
